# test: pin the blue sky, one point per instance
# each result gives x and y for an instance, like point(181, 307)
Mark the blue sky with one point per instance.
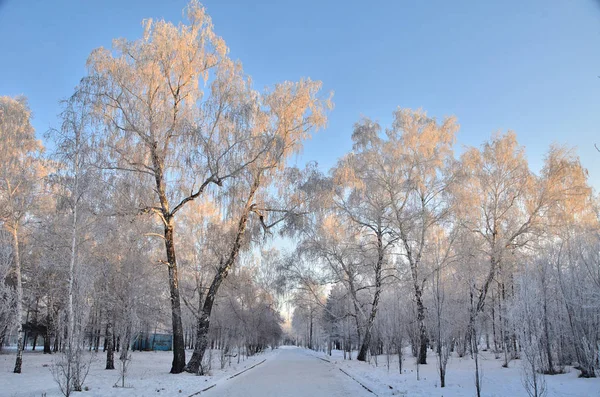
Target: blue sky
point(530, 66)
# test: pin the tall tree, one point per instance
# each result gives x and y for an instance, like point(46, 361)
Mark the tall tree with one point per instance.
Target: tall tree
point(418, 171)
point(21, 173)
point(149, 92)
point(362, 204)
point(499, 203)
point(277, 124)
point(76, 179)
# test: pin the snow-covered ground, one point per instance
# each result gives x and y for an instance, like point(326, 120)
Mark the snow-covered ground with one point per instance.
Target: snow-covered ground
point(289, 372)
point(460, 377)
point(148, 375)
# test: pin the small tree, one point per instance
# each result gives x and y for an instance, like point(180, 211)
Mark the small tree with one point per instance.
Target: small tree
point(74, 178)
point(528, 313)
point(7, 294)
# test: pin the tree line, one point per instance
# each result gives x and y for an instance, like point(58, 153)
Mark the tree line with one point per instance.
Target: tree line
point(411, 245)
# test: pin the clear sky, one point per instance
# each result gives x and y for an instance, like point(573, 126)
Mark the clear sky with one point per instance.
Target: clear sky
point(531, 66)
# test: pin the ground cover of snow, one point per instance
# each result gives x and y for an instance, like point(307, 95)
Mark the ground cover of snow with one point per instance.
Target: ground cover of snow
point(290, 372)
point(460, 377)
point(148, 375)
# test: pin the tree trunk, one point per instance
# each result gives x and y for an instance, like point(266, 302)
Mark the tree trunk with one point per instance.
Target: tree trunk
point(195, 362)
point(194, 365)
point(72, 264)
point(442, 374)
point(17, 264)
point(310, 334)
point(362, 355)
point(475, 349)
point(494, 323)
point(178, 344)
point(97, 341)
point(423, 340)
point(399, 351)
point(3, 331)
point(178, 363)
point(414, 260)
point(47, 349)
point(110, 354)
point(126, 342)
point(439, 345)
point(547, 344)
point(357, 312)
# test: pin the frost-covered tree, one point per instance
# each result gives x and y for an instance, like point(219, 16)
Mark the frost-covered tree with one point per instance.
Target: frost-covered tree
point(183, 140)
point(419, 170)
point(7, 294)
point(503, 205)
point(21, 184)
point(149, 92)
point(361, 205)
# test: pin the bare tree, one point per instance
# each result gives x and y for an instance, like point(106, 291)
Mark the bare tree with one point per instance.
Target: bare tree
point(290, 112)
point(7, 294)
point(149, 93)
point(21, 174)
point(419, 160)
point(74, 178)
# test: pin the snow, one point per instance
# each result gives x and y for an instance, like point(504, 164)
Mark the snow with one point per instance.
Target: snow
point(460, 377)
point(148, 374)
point(289, 372)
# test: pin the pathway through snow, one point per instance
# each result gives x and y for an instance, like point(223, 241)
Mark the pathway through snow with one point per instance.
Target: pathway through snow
point(291, 372)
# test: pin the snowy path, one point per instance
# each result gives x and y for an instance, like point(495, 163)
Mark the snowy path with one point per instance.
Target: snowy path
point(291, 373)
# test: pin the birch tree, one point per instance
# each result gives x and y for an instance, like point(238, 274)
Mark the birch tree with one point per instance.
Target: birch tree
point(160, 126)
point(338, 250)
point(21, 173)
point(76, 178)
point(7, 294)
point(500, 206)
point(362, 205)
point(419, 170)
point(280, 120)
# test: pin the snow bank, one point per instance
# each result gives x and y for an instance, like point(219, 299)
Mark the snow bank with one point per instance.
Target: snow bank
point(148, 374)
point(460, 377)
